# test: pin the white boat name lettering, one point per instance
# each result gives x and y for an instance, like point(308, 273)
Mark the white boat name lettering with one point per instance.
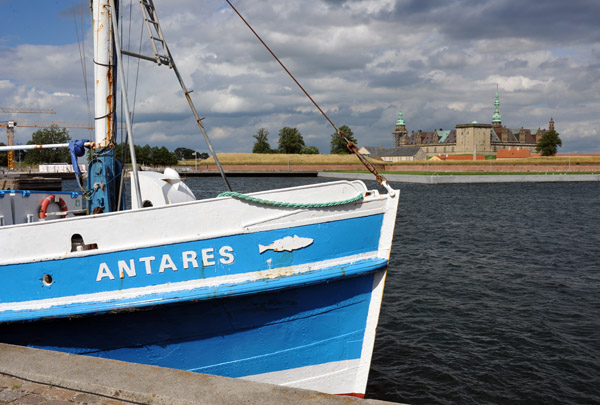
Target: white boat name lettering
point(189, 259)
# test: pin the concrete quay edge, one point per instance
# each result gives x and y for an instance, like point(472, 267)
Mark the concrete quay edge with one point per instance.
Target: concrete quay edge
point(121, 382)
point(467, 179)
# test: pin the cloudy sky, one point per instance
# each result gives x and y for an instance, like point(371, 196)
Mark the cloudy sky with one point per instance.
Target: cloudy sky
point(438, 60)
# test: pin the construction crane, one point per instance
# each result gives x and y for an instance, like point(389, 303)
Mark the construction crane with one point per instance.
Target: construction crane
point(11, 124)
point(10, 128)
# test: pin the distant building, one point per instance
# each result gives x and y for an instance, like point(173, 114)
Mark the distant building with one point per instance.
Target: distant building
point(400, 132)
point(513, 153)
point(397, 154)
point(473, 138)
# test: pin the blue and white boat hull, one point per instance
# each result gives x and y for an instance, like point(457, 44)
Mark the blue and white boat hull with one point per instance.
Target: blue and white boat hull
point(222, 286)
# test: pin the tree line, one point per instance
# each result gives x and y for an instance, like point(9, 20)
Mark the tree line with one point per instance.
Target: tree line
point(155, 156)
point(291, 141)
point(145, 155)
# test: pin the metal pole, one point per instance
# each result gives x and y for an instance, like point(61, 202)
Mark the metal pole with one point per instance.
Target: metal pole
point(198, 119)
point(134, 171)
point(46, 146)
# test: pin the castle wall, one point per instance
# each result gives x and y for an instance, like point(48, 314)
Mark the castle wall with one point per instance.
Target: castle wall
point(473, 138)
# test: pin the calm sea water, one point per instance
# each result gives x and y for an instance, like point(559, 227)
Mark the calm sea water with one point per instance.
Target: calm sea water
point(493, 293)
point(493, 296)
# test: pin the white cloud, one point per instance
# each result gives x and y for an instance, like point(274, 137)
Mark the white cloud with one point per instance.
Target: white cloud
point(6, 85)
point(63, 94)
point(359, 59)
point(468, 107)
point(371, 6)
point(515, 83)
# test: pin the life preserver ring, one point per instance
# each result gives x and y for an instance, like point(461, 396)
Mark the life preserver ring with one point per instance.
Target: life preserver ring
point(50, 199)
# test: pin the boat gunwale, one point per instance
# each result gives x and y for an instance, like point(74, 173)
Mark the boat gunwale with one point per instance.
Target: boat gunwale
point(368, 196)
point(337, 213)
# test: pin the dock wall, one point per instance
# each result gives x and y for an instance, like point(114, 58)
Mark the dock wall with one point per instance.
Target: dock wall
point(36, 376)
point(468, 179)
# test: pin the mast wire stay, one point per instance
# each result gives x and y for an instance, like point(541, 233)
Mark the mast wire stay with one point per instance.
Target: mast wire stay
point(349, 144)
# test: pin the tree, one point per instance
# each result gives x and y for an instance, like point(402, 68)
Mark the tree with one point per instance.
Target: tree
point(48, 136)
point(155, 157)
point(122, 153)
point(262, 143)
point(290, 140)
point(338, 145)
point(163, 157)
point(143, 154)
point(184, 153)
point(309, 150)
point(146, 155)
point(547, 146)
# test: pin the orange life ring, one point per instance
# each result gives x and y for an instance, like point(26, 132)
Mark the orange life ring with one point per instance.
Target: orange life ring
point(50, 199)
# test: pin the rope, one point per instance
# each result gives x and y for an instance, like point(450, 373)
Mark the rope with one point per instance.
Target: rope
point(350, 145)
point(354, 149)
point(245, 197)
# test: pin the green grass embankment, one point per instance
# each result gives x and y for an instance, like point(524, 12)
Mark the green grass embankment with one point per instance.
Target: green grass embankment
point(274, 159)
point(469, 173)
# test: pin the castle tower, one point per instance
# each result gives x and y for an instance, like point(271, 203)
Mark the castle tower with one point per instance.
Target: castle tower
point(400, 132)
point(551, 125)
point(496, 118)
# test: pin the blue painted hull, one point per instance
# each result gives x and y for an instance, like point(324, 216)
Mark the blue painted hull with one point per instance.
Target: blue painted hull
point(234, 337)
point(274, 295)
point(137, 278)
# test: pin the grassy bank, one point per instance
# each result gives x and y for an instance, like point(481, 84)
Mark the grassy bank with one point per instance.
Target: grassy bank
point(478, 173)
point(277, 159)
point(296, 159)
point(535, 161)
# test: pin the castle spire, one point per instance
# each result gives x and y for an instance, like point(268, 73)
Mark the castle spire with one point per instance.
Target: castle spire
point(400, 120)
point(400, 132)
point(496, 118)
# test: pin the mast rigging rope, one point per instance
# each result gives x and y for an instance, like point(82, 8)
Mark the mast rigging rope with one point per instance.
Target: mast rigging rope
point(349, 144)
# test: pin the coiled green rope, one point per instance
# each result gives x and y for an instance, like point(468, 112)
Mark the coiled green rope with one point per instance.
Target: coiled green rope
point(241, 196)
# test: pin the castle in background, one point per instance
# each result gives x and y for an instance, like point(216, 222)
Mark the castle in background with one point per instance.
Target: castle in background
point(473, 138)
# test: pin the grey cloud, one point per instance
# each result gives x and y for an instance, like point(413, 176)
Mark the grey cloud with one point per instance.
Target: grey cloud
point(515, 64)
point(416, 64)
point(448, 59)
point(554, 21)
point(395, 79)
point(560, 63)
point(424, 55)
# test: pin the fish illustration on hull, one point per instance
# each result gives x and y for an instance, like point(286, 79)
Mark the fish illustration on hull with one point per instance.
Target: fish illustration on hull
point(288, 243)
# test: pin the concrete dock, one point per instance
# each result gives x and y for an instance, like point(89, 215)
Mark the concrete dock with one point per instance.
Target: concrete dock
point(467, 179)
point(33, 376)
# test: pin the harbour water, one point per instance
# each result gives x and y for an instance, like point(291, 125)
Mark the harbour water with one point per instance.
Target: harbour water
point(493, 293)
